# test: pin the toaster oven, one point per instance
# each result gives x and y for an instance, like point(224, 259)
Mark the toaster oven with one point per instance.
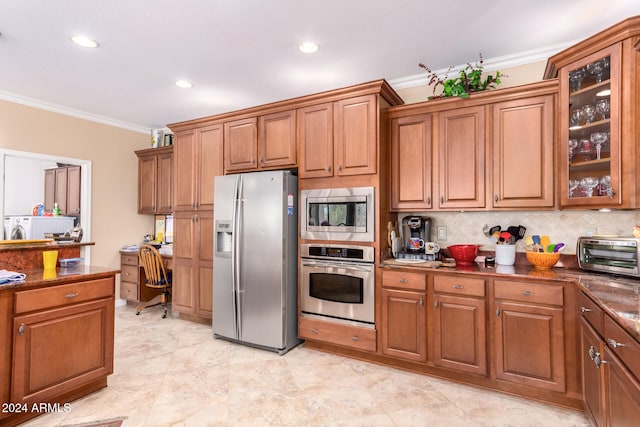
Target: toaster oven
point(618, 255)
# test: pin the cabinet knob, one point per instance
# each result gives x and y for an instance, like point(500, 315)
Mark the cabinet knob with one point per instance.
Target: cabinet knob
point(597, 360)
point(314, 330)
point(527, 293)
point(442, 200)
point(497, 312)
point(339, 168)
point(496, 198)
point(429, 200)
point(591, 352)
point(421, 302)
point(21, 329)
point(585, 310)
point(262, 161)
point(328, 168)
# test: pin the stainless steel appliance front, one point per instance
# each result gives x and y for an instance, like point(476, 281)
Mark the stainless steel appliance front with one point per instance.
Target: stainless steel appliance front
point(618, 255)
point(338, 283)
point(345, 214)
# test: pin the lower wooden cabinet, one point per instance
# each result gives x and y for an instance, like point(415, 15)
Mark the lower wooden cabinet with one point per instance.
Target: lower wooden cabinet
point(622, 393)
point(529, 338)
point(592, 354)
point(404, 324)
point(404, 315)
point(62, 339)
point(193, 264)
point(459, 324)
point(336, 333)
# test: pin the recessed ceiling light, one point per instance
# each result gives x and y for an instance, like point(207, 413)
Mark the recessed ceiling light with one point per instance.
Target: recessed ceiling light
point(184, 84)
point(84, 41)
point(308, 47)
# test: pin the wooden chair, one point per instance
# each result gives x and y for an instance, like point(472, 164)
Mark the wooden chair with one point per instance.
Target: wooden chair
point(156, 277)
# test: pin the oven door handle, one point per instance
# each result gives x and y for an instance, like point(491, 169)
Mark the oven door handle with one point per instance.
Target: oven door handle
point(346, 265)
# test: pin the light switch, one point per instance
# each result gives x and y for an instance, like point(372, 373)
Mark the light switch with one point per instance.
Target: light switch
point(442, 233)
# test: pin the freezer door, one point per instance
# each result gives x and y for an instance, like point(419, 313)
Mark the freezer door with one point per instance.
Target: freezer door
point(224, 294)
point(263, 258)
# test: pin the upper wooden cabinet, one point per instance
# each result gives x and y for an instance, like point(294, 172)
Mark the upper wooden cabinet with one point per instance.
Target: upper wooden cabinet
point(411, 163)
point(461, 158)
point(494, 150)
point(522, 148)
point(155, 180)
point(197, 159)
point(598, 156)
point(339, 138)
point(62, 186)
point(267, 141)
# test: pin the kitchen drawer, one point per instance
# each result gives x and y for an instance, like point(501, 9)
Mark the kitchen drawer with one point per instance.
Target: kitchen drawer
point(591, 312)
point(335, 333)
point(129, 291)
point(529, 292)
point(129, 259)
point(129, 273)
point(404, 280)
point(56, 296)
point(623, 345)
point(459, 285)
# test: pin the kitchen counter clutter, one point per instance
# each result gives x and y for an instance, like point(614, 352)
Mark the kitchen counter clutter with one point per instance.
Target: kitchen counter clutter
point(57, 327)
point(15, 255)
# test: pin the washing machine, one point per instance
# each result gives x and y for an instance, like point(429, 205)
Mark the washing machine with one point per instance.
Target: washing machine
point(8, 225)
point(35, 227)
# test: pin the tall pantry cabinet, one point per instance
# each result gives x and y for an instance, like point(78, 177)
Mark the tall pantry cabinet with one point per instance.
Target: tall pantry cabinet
point(198, 158)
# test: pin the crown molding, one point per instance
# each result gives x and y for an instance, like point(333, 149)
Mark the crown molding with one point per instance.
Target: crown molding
point(54, 108)
point(491, 64)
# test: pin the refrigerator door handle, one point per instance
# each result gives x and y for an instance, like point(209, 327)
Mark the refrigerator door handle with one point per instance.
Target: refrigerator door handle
point(234, 255)
point(238, 226)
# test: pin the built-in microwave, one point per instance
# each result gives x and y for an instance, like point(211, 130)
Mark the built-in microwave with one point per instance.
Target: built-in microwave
point(344, 214)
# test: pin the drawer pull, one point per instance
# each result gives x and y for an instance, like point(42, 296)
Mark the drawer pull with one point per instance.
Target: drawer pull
point(591, 352)
point(613, 344)
point(403, 280)
point(73, 295)
point(354, 338)
point(585, 310)
point(314, 330)
point(598, 361)
point(527, 293)
point(21, 329)
point(458, 287)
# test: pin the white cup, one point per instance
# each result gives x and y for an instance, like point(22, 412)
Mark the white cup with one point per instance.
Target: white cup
point(505, 254)
point(431, 248)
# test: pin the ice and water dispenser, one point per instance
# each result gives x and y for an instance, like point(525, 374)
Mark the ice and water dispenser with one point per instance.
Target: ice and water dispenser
point(224, 238)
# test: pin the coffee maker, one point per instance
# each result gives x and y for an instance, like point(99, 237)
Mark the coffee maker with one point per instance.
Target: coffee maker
point(416, 227)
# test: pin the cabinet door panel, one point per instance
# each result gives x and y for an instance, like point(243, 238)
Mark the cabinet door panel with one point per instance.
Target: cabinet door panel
point(182, 284)
point(164, 198)
point(147, 189)
point(355, 133)
point(61, 190)
point(49, 190)
point(530, 345)
point(210, 163)
point(461, 147)
point(460, 334)
point(404, 324)
point(184, 153)
point(83, 333)
point(592, 375)
point(73, 190)
point(411, 162)
point(315, 138)
point(623, 393)
point(523, 153)
point(277, 139)
point(241, 145)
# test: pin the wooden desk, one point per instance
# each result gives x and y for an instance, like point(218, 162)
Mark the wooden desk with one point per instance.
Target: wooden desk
point(132, 277)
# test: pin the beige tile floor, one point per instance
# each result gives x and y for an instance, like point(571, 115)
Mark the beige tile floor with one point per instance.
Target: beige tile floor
point(170, 372)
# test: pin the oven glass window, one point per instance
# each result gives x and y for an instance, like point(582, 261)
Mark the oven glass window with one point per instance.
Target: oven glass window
point(338, 214)
point(336, 287)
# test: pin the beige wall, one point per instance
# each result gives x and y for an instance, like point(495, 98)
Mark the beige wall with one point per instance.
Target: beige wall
point(115, 221)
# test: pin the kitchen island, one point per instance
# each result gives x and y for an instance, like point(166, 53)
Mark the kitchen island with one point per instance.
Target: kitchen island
point(57, 333)
point(17, 255)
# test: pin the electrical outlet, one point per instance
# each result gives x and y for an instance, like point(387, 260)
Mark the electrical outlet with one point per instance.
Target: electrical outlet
point(442, 233)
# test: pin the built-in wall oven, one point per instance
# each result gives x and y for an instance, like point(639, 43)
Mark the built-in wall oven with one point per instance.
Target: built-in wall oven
point(338, 283)
point(345, 214)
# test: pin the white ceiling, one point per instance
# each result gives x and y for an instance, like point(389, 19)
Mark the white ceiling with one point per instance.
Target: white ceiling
point(241, 53)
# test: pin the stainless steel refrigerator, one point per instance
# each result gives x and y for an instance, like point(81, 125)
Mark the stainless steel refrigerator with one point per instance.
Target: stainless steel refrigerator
point(255, 268)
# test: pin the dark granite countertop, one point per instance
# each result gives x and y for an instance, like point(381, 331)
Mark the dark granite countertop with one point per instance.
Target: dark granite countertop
point(41, 278)
point(619, 296)
point(43, 245)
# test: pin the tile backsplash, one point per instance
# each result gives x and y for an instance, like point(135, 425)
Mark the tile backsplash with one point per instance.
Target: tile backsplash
point(560, 226)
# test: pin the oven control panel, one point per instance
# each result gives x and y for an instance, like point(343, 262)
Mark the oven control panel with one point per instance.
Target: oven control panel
point(342, 252)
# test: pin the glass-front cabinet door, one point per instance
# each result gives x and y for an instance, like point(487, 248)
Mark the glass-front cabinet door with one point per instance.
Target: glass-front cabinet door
point(590, 130)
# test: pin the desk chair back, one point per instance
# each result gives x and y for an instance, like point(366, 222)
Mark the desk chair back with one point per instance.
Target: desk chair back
point(156, 277)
